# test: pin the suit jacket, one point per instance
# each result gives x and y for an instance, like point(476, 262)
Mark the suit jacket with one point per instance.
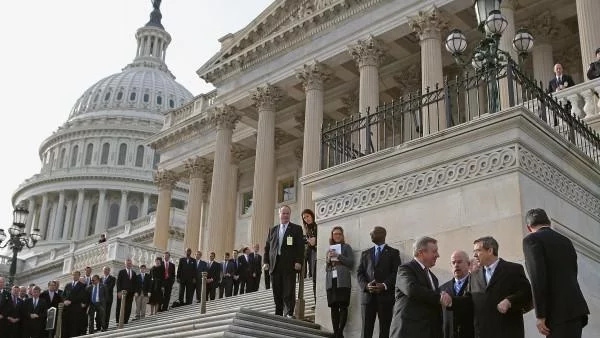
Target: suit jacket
point(34, 327)
point(145, 286)
point(186, 271)
point(11, 309)
point(214, 272)
point(458, 323)
point(201, 266)
point(126, 283)
point(171, 269)
point(509, 281)
point(551, 262)
point(256, 264)
point(384, 271)
point(290, 254)
point(553, 85)
point(417, 311)
point(55, 299)
point(76, 294)
point(109, 282)
point(228, 267)
point(102, 294)
point(594, 70)
point(244, 268)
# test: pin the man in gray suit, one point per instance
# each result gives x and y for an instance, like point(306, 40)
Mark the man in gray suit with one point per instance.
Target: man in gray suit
point(97, 293)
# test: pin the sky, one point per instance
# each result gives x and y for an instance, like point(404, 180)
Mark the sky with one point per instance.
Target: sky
point(52, 51)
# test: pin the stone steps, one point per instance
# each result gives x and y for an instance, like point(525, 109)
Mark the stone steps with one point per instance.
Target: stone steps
point(247, 315)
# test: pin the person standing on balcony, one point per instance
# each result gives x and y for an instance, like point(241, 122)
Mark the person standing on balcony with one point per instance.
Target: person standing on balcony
point(560, 80)
point(284, 256)
point(157, 289)
point(186, 277)
point(310, 233)
point(594, 69)
point(168, 280)
point(338, 281)
point(551, 262)
point(376, 276)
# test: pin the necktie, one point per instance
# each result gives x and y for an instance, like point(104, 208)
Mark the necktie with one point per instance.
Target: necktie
point(167, 270)
point(430, 279)
point(94, 294)
point(485, 275)
point(34, 303)
point(225, 267)
point(129, 273)
point(282, 229)
point(377, 254)
point(14, 300)
point(51, 296)
point(457, 286)
point(142, 278)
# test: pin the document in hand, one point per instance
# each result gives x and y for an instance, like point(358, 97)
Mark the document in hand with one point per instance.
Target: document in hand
point(337, 248)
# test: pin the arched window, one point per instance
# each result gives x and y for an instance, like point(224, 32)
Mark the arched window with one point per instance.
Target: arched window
point(93, 216)
point(156, 160)
point(119, 96)
point(104, 157)
point(74, 156)
point(133, 212)
point(159, 100)
point(122, 154)
point(139, 156)
point(171, 103)
point(132, 96)
point(113, 215)
point(88, 154)
point(51, 161)
point(146, 97)
point(63, 152)
point(107, 96)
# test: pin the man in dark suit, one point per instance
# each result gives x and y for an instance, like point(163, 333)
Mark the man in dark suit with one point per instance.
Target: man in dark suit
point(34, 315)
point(97, 309)
point(284, 255)
point(109, 282)
point(417, 311)
point(560, 80)
point(10, 311)
point(256, 267)
point(51, 297)
point(551, 262)
point(168, 281)
point(458, 323)
point(499, 293)
point(376, 276)
point(186, 277)
point(213, 277)
point(236, 276)
point(144, 286)
point(227, 274)
point(75, 302)
point(126, 281)
point(244, 271)
point(201, 266)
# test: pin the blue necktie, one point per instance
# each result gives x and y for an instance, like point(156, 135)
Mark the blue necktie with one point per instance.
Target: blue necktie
point(94, 293)
point(377, 254)
point(457, 286)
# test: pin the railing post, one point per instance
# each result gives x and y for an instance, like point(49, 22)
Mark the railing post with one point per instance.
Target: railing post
point(122, 310)
point(58, 328)
point(511, 83)
point(367, 132)
point(447, 103)
point(203, 293)
point(300, 303)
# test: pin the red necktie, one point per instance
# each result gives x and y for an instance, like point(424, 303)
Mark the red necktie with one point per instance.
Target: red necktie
point(167, 270)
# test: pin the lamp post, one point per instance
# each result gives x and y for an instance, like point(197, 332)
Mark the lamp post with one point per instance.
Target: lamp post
point(487, 57)
point(18, 239)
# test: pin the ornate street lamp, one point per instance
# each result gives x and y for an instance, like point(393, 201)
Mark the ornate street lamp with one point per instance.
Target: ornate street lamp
point(487, 57)
point(18, 239)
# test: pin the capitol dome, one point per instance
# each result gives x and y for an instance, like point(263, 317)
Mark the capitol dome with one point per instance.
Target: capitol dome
point(96, 169)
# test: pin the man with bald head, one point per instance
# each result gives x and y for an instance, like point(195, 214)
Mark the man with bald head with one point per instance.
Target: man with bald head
point(458, 323)
point(560, 80)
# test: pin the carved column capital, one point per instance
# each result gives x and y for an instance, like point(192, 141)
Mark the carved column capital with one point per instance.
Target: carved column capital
point(368, 52)
point(544, 27)
point(223, 117)
point(313, 76)
point(266, 97)
point(165, 179)
point(196, 167)
point(429, 24)
point(238, 153)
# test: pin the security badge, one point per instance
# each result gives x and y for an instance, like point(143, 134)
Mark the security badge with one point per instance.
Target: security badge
point(290, 240)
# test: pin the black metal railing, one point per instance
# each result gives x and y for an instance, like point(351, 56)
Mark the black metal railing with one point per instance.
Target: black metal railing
point(459, 101)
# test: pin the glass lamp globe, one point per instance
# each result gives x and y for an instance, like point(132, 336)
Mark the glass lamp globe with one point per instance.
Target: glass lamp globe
point(2, 235)
point(496, 23)
point(456, 42)
point(35, 235)
point(14, 230)
point(523, 41)
point(483, 9)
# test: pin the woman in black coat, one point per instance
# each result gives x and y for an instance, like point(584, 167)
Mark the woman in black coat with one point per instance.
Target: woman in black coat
point(310, 235)
point(157, 289)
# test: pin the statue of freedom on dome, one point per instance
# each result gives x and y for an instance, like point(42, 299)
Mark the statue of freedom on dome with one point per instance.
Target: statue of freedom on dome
point(156, 4)
point(155, 15)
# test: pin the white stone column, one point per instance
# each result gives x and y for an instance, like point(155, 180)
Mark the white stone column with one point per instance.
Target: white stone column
point(123, 207)
point(313, 76)
point(79, 224)
point(30, 217)
point(224, 120)
point(195, 169)
point(428, 25)
point(263, 195)
point(507, 7)
point(204, 214)
point(166, 180)
point(368, 54)
point(43, 223)
point(145, 204)
point(100, 226)
point(68, 221)
point(232, 208)
point(60, 216)
point(543, 28)
point(589, 34)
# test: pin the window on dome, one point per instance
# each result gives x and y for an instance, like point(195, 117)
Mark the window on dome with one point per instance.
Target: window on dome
point(113, 215)
point(146, 98)
point(93, 216)
point(159, 100)
point(132, 96)
point(104, 157)
point(119, 96)
point(51, 161)
point(139, 156)
point(156, 160)
point(74, 156)
point(107, 96)
point(171, 103)
point(122, 154)
point(133, 212)
point(61, 162)
point(88, 154)
point(96, 98)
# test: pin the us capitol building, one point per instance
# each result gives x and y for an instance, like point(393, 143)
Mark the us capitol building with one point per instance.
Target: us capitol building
point(155, 168)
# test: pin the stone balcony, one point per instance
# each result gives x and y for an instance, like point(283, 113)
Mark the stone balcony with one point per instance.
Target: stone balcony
point(196, 106)
point(584, 101)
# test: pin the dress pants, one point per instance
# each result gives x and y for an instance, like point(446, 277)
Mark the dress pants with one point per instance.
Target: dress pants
point(283, 281)
point(226, 287)
point(109, 302)
point(570, 329)
point(374, 309)
point(128, 303)
point(187, 288)
point(96, 318)
point(267, 280)
point(140, 306)
point(167, 296)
